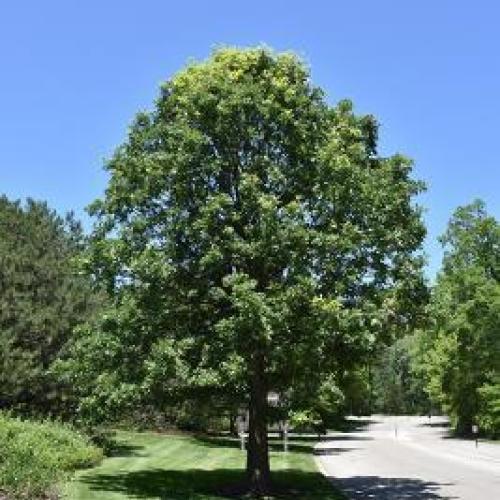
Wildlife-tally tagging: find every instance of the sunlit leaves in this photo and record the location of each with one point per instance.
(246, 217)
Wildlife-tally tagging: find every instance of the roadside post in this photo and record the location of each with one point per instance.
(475, 432)
(241, 432)
(285, 436)
(273, 400)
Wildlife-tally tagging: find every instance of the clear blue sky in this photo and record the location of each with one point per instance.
(73, 73)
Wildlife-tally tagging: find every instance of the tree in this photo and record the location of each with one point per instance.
(460, 352)
(253, 239)
(398, 386)
(489, 411)
(41, 300)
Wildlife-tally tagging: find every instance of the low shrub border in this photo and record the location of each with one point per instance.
(35, 457)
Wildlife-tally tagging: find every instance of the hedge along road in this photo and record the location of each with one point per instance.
(410, 458)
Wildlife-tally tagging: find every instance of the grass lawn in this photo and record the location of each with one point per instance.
(154, 466)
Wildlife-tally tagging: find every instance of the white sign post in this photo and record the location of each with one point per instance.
(241, 432)
(285, 436)
(475, 432)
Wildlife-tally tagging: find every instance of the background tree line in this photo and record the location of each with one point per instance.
(452, 363)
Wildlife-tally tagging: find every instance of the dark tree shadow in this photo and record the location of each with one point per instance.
(198, 484)
(380, 488)
(122, 449)
(346, 437)
(307, 438)
(194, 484)
(213, 441)
(448, 432)
(331, 451)
(114, 446)
(442, 425)
(356, 425)
(301, 445)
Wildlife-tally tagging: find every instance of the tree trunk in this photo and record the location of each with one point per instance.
(258, 471)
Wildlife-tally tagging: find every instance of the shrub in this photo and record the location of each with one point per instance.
(489, 412)
(306, 420)
(37, 456)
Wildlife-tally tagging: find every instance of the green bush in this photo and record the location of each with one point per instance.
(489, 409)
(37, 456)
(306, 420)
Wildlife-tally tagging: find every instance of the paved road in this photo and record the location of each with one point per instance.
(410, 458)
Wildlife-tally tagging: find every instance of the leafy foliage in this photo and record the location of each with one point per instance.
(35, 457)
(489, 409)
(460, 354)
(397, 385)
(41, 300)
(253, 240)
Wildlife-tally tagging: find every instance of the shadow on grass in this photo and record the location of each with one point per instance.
(200, 484)
(304, 445)
(114, 446)
(213, 441)
(197, 484)
(304, 438)
(117, 448)
(380, 488)
(296, 444)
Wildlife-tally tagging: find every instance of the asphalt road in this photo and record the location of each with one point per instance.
(409, 458)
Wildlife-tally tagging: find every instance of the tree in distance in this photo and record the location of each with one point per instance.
(459, 353)
(42, 300)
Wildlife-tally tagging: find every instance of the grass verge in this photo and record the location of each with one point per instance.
(154, 466)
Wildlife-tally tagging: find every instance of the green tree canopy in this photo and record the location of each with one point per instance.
(253, 239)
(460, 352)
(41, 300)
(398, 387)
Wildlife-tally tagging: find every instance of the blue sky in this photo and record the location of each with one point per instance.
(73, 74)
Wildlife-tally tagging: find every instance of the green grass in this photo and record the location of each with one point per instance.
(153, 466)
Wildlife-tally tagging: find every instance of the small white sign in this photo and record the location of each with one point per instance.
(475, 429)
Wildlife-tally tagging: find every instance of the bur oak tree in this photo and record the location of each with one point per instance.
(254, 240)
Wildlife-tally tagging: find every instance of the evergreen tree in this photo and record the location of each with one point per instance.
(42, 299)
